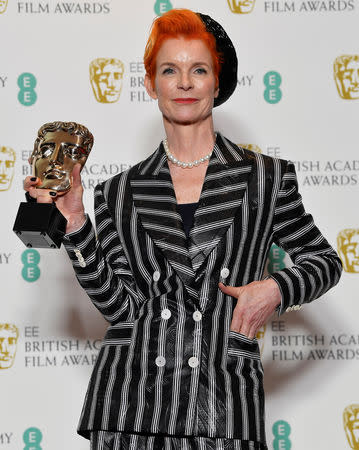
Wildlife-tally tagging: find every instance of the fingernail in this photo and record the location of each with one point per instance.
(53, 194)
(33, 179)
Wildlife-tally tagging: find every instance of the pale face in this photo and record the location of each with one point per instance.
(54, 160)
(185, 84)
(109, 82)
(8, 342)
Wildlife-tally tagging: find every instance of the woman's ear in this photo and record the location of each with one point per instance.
(149, 88)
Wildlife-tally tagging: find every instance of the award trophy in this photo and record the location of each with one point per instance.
(58, 148)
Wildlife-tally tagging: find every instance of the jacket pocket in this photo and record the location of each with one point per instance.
(119, 334)
(241, 346)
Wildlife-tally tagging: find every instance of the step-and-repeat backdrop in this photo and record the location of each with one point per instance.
(297, 98)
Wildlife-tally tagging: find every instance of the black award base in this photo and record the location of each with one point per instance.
(40, 225)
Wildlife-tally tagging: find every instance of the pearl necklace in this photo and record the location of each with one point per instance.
(184, 165)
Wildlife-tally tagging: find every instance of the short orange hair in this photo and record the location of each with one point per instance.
(178, 23)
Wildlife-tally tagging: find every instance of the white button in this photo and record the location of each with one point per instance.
(289, 309)
(82, 264)
(224, 272)
(80, 258)
(77, 252)
(193, 362)
(166, 314)
(160, 361)
(197, 316)
(156, 275)
(296, 307)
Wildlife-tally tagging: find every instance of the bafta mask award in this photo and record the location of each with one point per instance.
(58, 148)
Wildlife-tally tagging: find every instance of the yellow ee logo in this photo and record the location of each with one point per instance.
(3, 6)
(241, 6)
(346, 75)
(106, 76)
(272, 81)
(348, 249)
(32, 438)
(30, 259)
(281, 431)
(7, 167)
(27, 84)
(162, 6)
(351, 425)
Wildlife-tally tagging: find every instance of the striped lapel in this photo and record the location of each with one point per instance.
(222, 194)
(155, 200)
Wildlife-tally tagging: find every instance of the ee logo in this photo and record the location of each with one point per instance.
(272, 80)
(27, 84)
(32, 438)
(30, 259)
(276, 259)
(162, 6)
(281, 432)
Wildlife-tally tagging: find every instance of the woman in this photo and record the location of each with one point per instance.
(180, 365)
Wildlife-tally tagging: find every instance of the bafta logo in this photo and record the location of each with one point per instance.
(260, 337)
(351, 425)
(7, 166)
(3, 6)
(348, 249)
(106, 76)
(346, 74)
(251, 147)
(8, 343)
(241, 6)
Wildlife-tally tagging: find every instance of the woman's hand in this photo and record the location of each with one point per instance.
(256, 302)
(70, 204)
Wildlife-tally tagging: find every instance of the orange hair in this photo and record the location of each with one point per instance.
(173, 24)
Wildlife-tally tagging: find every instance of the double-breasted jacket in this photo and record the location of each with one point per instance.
(169, 364)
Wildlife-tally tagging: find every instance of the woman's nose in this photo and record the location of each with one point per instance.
(185, 82)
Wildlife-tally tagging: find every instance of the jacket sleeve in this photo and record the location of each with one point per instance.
(316, 267)
(100, 264)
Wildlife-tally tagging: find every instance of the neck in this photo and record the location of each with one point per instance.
(190, 142)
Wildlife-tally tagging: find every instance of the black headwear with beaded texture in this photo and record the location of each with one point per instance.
(229, 66)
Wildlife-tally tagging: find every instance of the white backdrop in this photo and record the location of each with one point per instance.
(311, 357)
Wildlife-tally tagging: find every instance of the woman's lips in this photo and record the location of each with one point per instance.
(185, 101)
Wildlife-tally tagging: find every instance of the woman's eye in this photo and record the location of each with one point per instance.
(168, 70)
(200, 70)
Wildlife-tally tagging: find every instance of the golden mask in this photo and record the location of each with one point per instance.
(9, 335)
(58, 148)
(346, 74)
(348, 249)
(241, 6)
(260, 336)
(7, 167)
(251, 147)
(106, 76)
(3, 6)
(351, 425)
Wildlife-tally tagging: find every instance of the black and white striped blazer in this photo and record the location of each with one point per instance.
(169, 364)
